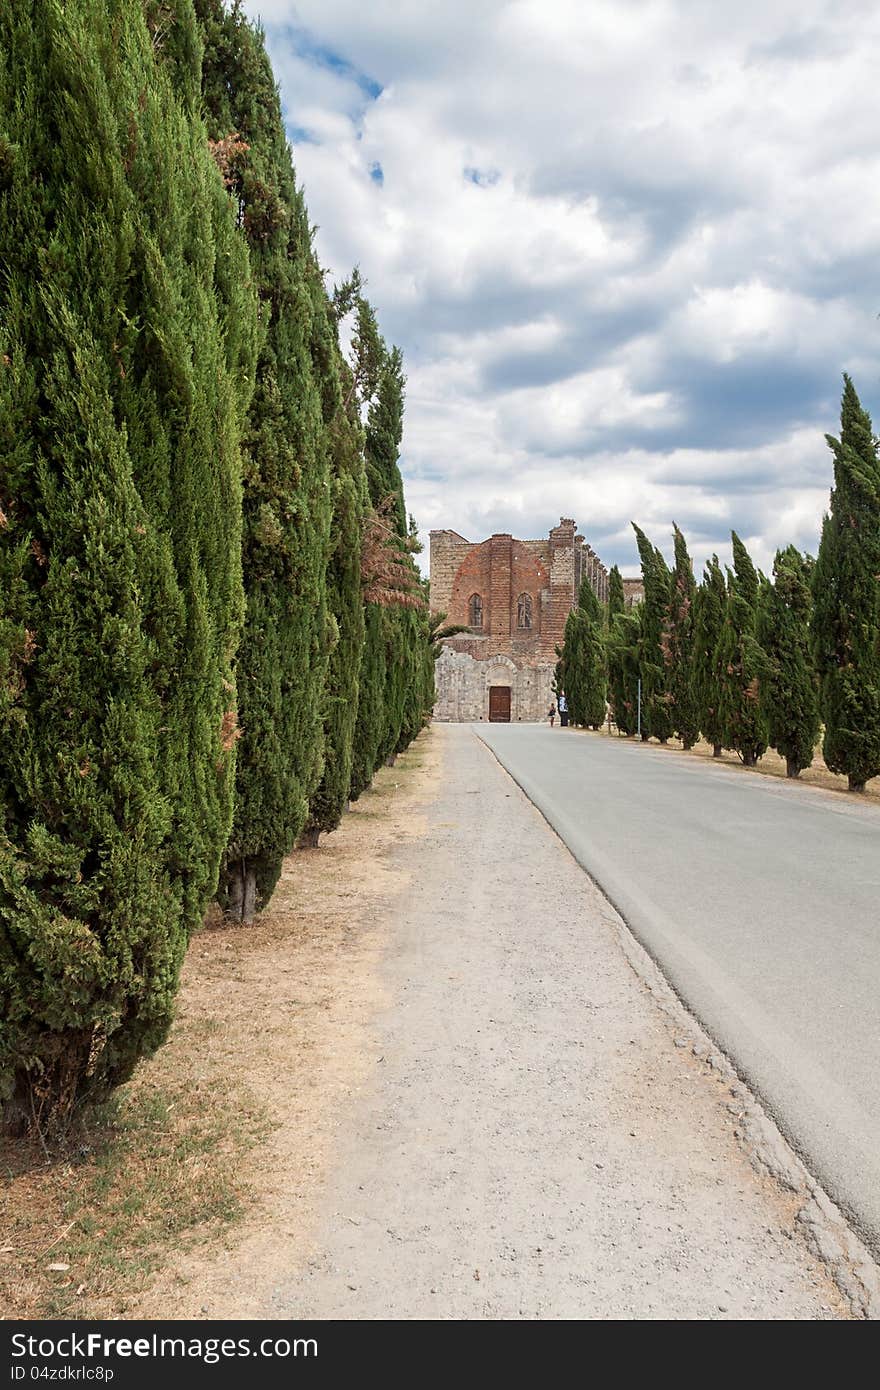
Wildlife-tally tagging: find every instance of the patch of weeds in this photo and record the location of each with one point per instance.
(156, 1168)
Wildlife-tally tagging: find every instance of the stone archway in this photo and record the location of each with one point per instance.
(501, 703)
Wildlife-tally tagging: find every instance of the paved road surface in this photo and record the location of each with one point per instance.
(760, 901)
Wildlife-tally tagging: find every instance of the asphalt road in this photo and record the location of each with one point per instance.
(760, 899)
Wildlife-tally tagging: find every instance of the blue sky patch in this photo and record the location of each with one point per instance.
(483, 178)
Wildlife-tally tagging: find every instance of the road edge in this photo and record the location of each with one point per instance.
(823, 1226)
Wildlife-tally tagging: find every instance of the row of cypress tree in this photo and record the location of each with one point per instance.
(747, 661)
(212, 629)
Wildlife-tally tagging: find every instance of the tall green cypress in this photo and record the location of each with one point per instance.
(370, 724)
(347, 616)
(384, 435)
(679, 646)
(586, 674)
(420, 693)
(569, 668)
(616, 595)
(657, 719)
(710, 609)
(285, 647)
(789, 691)
(741, 663)
(846, 595)
(395, 634)
(622, 659)
(127, 343)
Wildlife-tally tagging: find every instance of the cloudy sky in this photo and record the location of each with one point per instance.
(627, 247)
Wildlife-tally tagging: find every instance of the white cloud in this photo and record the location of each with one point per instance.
(627, 248)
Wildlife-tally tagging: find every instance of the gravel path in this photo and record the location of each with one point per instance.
(532, 1143)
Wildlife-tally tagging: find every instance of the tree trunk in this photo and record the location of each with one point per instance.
(16, 1113)
(391, 760)
(43, 1102)
(249, 900)
(854, 784)
(716, 750)
(645, 738)
(309, 838)
(791, 767)
(235, 877)
(242, 893)
(749, 759)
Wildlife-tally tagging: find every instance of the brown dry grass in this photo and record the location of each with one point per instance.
(771, 765)
(223, 1135)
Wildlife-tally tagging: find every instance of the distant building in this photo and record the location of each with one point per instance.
(514, 597)
(633, 592)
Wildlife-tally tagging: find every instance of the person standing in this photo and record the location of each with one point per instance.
(563, 710)
(551, 714)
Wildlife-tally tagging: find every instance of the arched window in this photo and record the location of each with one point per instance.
(475, 611)
(524, 611)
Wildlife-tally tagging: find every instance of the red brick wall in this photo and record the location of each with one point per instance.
(500, 552)
(473, 576)
(528, 576)
(500, 570)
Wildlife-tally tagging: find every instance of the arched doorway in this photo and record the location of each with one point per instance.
(499, 704)
(501, 690)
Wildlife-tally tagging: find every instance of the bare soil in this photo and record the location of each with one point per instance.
(225, 1133)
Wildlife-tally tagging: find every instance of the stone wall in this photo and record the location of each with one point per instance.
(463, 683)
(633, 592)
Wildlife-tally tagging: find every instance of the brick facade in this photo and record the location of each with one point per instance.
(526, 590)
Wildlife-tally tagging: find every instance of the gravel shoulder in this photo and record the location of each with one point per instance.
(758, 898)
(506, 1127)
(533, 1144)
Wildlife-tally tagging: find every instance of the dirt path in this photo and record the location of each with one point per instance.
(480, 1109)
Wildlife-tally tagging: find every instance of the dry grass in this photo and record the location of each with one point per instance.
(228, 1115)
(162, 1163)
(771, 765)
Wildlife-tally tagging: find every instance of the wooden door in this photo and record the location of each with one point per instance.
(499, 704)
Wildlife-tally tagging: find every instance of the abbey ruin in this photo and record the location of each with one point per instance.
(514, 597)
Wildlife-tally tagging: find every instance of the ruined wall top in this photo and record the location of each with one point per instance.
(513, 591)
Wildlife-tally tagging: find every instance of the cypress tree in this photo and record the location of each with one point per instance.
(789, 689)
(421, 693)
(428, 658)
(384, 435)
(711, 609)
(286, 644)
(622, 660)
(616, 596)
(594, 678)
(570, 667)
(370, 723)
(581, 669)
(846, 597)
(657, 719)
(679, 646)
(127, 343)
(741, 663)
(394, 667)
(347, 616)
